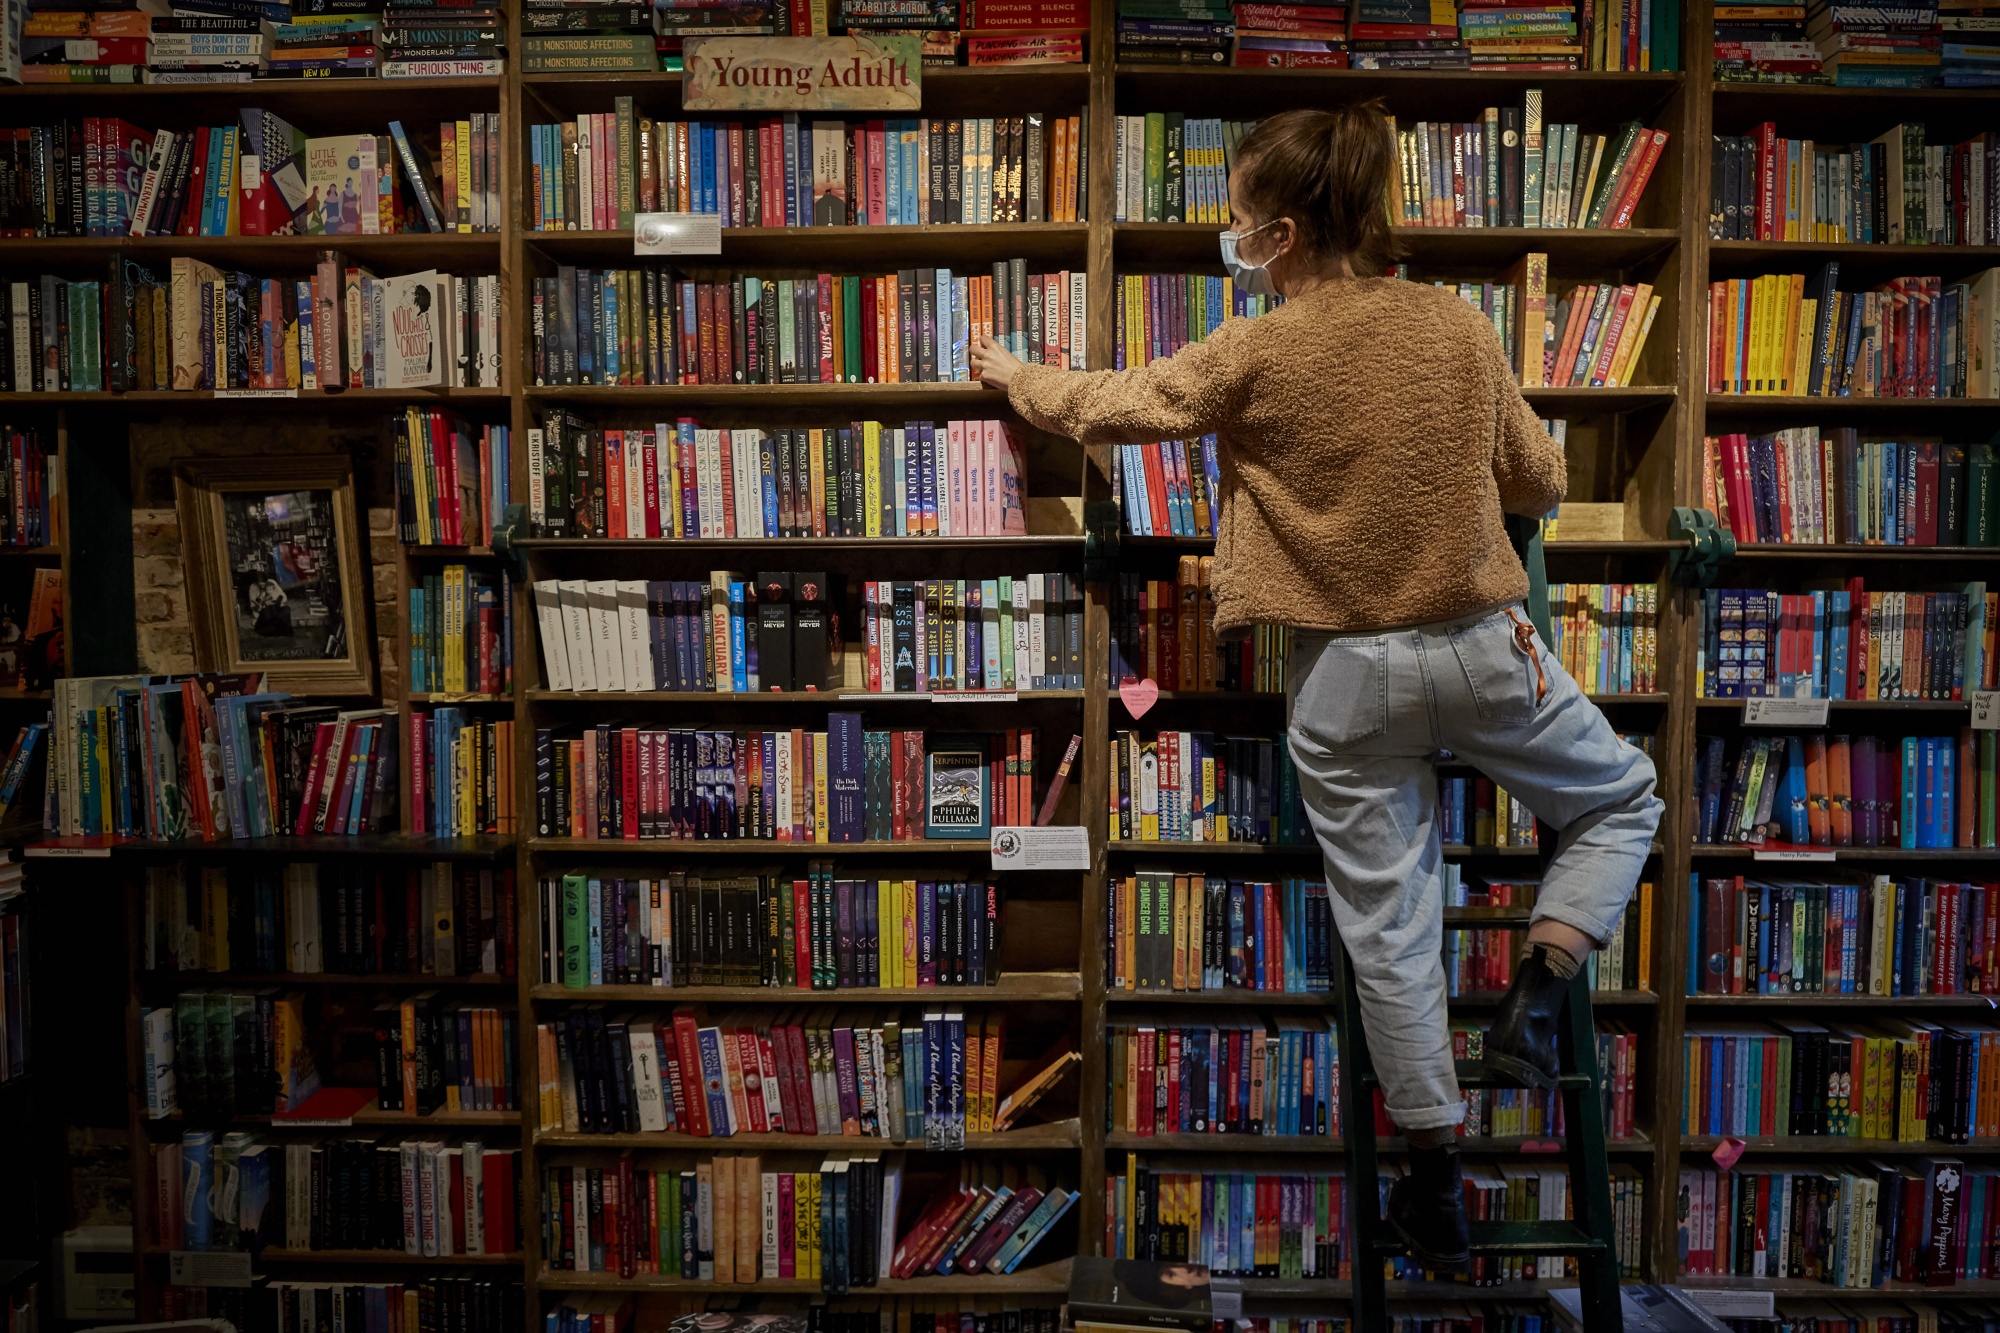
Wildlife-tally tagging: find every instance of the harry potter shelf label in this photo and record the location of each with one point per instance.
(858, 72)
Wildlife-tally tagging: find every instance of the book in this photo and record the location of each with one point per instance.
(1129, 1292)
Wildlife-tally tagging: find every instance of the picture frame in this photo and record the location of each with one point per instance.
(274, 556)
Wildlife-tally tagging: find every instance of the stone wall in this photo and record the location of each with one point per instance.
(166, 642)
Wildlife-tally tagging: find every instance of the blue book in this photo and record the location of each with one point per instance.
(1912, 767)
(739, 663)
(892, 175)
(1839, 607)
(594, 896)
(609, 288)
(1796, 829)
(198, 1175)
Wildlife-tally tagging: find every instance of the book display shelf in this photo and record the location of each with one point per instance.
(1636, 451)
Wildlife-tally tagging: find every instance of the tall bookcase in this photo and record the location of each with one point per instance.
(1639, 447)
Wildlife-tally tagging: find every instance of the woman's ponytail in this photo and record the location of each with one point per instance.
(1330, 172)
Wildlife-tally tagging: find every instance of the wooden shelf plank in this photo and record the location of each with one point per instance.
(1012, 986)
(1120, 1140)
(947, 245)
(847, 698)
(797, 545)
(1818, 1144)
(755, 847)
(1740, 851)
(1045, 1279)
(357, 980)
(1029, 1138)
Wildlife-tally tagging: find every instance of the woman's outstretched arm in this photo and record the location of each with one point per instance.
(1190, 393)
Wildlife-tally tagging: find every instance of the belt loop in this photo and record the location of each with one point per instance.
(1524, 639)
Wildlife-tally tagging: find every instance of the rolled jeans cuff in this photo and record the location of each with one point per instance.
(1427, 1117)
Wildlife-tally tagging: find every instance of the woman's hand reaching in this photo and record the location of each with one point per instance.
(992, 363)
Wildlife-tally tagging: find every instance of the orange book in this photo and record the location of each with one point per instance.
(1580, 299)
(1817, 805)
(989, 1077)
(748, 1216)
(1840, 791)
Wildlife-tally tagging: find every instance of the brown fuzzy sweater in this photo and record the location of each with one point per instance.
(1372, 433)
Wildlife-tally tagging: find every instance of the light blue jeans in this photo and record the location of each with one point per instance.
(1367, 715)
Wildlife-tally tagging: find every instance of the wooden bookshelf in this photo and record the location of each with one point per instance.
(1641, 446)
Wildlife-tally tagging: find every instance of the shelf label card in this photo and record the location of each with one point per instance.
(1784, 712)
(1225, 1298)
(209, 1268)
(256, 393)
(858, 72)
(1986, 710)
(677, 234)
(1792, 855)
(975, 697)
(1028, 847)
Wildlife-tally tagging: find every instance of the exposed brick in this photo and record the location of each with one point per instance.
(382, 520)
(154, 608)
(155, 572)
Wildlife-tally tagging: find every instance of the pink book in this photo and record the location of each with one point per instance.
(954, 452)
(990, 452)
(878, 200)
(975, 479)
(1013, 519)
(870, 598)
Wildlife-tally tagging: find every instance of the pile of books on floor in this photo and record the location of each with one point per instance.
(1175, 32)
(443, 41)
(1405, 34)
(1021, 32)
(1878, 46)
(1766, 44)
(1291, 35)
(1971, 32)
(1521, 35)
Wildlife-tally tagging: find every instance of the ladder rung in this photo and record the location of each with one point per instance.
(1474, 1074)
(1512, 1238)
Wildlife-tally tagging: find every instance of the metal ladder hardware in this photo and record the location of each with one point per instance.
(1588, 1235)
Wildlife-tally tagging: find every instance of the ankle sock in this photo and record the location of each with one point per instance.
(1422, 1139)
(1557, 959)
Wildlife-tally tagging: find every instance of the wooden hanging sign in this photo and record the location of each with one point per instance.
(858, 72)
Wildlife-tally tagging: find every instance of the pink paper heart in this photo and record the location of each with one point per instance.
(1139, 696)
(1728, 1152)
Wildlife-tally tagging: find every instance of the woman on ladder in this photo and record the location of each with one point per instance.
(1373, 439)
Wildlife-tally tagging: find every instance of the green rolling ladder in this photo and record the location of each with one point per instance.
(1589, 1235)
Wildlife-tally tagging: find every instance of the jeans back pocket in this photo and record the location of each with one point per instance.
(1340, 696)
(1502, 676)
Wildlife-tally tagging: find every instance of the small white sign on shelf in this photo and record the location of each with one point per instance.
(1225, 1298)
(677, 234)
(209, 1268)
(975, 697)
(1784, 712)
(1985, 710)
(1790, 854)
(1029, 847)
(256, 393)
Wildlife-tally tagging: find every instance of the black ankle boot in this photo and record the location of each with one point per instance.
(1521, 1044)
(1427, 1208)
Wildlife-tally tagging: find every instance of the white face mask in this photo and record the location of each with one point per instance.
(1250, 279)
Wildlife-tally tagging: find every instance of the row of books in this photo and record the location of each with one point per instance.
(1508, 169)
(596, 172)
(1258, 1075)
(609, 1312)
(1196, 786)
(436, 1303)
(454, 480)
(1533, 1113)
(929, 1078)
(1884, 936)
(1913, 792)
(1606, 635)
(642, 326)
(731, 1222)
(842, 785)
(1478, 812)
(1910, 337)
(1197, 932)
(1896, 189)
(1480, 961)
(422, 1197)
(459, 639)
(1848, 643)
(1594, 337)
(213, 756)
(814, 931)
(1819, 486)
(737, 634)
(445, 919)
(684, 481)
(1858, 1226)
(31, 475)
(1886, 1081)
(1515, 36)
(1171, 488)
(207, 329)
(461, 773)
(1171, 167)
(1157, 314)
(1163, 630)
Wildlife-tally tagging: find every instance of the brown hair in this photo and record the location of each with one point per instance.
(1329, 172)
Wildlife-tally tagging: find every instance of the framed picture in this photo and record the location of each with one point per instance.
(275, 574)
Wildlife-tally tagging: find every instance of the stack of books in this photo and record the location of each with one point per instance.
(1181, 32)
(325, 46)
(1766, 44)
(208, 48)
(1405, 34)
(1513, 35)
(622, 33)
(1878, 46)
(442, 41)
(73, 46)
(1291, 35)
(1023, 32)
(1971, 31)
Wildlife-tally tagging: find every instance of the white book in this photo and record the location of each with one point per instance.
(638, 446)
(647, 1093)
(427, 1200)
(784, 788)
(634, 635)
(580, 1207)
(1121, 207)
(577, 636)
(489, 336)
(666, 445)
(607, 649)
(549, 622)
(158, 1028)
(768, 1186)
(24, 357)
(708, 482)
(1018, 599)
